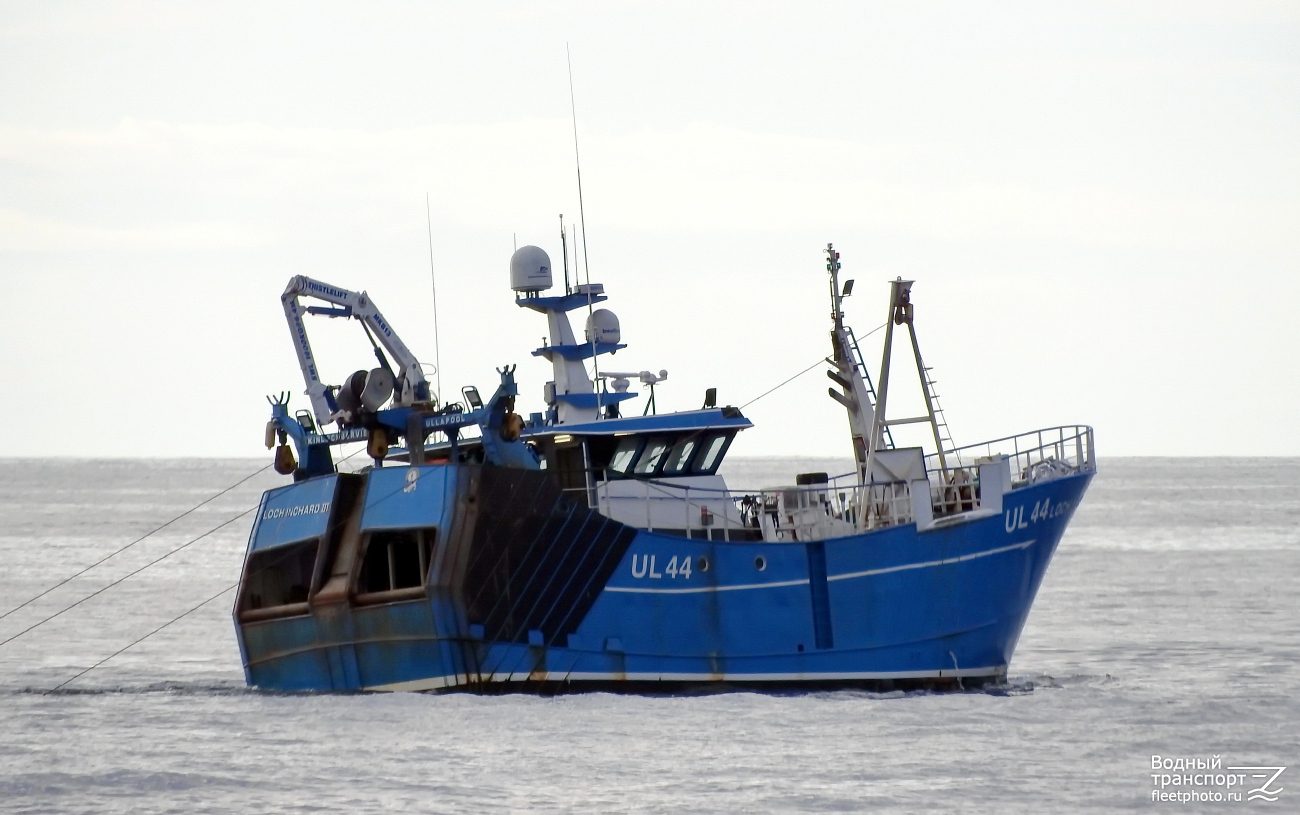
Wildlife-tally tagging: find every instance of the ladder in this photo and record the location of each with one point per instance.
(866, 377)
(940, 423)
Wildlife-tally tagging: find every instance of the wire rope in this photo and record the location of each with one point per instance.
(124, 577)
(181, 616)
(139, 640)
(117, 552)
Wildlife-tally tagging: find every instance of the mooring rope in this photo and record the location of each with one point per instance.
(113, 554)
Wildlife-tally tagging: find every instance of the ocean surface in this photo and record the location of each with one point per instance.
(1168, 624)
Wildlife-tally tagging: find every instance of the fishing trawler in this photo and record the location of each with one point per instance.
(581, 548)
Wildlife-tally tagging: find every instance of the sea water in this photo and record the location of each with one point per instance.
(1168, 625)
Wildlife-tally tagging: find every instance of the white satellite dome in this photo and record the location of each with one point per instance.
(602, 326)
(530, 269)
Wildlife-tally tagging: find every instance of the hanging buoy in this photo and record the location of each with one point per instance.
(270, 434)
(511, 427)
(377, 444)
(285, 463)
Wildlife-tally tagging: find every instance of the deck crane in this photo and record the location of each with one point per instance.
(367, 390)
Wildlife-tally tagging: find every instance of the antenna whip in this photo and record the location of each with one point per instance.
(433, 282)
(582, 217)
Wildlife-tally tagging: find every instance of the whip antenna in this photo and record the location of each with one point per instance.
(582, 215)
(433, 282)
(582, 218)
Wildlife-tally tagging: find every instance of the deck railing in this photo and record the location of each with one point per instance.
(805, 512)
(840, 505)
(1033, 456)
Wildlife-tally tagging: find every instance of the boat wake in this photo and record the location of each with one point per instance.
(1026, 684)
(1012, 686)
(170, 688)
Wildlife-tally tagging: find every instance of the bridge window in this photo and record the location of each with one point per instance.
(679, 458)
(395, 561)
(653, 455)
(694, 453)
(624, 454)
(711, 454)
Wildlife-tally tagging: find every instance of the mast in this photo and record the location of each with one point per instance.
(564, 248)
(854, 394)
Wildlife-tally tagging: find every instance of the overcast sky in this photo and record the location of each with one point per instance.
(1100, 203)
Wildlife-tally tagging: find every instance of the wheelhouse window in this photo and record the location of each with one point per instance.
(679, 458)
(650, 460)
(668, 455)
(711, 451)
(624, 455)
(395, 564)
(278, 580)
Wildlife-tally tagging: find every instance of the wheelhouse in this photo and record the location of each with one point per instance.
(672, 446)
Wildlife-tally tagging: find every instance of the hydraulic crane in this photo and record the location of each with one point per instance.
(364, 389)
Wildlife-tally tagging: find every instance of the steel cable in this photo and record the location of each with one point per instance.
(103, 589)
(184, 614)
(113, 554)
(138, 641)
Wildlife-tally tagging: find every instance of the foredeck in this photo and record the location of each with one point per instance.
(971, 486)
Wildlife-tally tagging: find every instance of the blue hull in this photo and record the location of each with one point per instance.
(591, 604)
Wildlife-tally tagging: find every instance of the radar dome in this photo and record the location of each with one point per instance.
(602, 326)
(530, 269)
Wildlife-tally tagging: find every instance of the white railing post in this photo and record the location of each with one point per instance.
(921, 499)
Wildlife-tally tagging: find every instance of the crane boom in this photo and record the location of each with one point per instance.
(411, 385)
